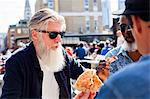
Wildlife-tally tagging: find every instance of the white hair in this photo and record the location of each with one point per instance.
(41, 17)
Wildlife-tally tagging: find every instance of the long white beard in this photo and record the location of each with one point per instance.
(51, 60)
(129, 46)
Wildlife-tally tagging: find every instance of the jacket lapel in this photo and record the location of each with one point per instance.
(61, 80)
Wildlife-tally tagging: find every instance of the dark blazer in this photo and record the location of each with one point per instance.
(23, 76)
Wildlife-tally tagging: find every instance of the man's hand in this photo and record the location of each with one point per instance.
(85, 95)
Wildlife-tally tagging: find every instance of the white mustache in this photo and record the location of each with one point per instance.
(51, 60)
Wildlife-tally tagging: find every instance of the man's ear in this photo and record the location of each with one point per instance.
(34, 35)
(137, 24)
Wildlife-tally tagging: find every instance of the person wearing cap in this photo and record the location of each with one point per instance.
(127, 52)
(43, 69)
(132, 82)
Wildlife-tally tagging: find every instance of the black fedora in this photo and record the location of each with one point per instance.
(134, 7)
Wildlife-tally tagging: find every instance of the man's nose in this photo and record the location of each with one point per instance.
(58, 38)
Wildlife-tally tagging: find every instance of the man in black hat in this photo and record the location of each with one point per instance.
(132, 82)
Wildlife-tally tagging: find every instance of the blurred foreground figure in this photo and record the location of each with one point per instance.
(42, 70)
(133, 81)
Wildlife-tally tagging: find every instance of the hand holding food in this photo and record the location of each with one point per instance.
(85, 95)
(103, 68)
(88, 81)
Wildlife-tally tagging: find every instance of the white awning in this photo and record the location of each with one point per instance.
(70, 40)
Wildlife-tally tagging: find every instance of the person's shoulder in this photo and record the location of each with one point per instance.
(125, 82)
(127, 70)
(131, 71)
(141, 65)
(16, 54)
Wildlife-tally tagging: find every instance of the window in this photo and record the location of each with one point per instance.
(51, 4)
(12, 32)
(25, 30)
(94, 2)
(95, 23)
(87, 24)
(95, 5)
(28, 13)
(95, 26)
(19, 31)
(86, 5)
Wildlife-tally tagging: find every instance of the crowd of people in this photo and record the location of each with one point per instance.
(42, 69)
(86, 49)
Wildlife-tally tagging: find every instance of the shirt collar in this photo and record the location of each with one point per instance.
(121, 50)
(124, 53)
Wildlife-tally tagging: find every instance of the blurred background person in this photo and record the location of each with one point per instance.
(106, 48)
(100, 45)
(92, 48)
(80, 51)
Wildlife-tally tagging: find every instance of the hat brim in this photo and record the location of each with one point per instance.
(130, 12)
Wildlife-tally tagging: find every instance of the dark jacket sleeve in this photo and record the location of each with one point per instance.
(74, 66)
(12, 80)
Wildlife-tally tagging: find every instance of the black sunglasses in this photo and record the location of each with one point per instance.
(53, 34)
(124, 27)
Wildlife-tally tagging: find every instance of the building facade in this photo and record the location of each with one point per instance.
(83, 20)
(121, 4)
(82, 16)
(16, 34)
(19, 33)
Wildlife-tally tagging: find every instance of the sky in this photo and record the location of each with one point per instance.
(11, 11)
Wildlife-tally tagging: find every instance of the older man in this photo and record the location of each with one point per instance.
(43, 69)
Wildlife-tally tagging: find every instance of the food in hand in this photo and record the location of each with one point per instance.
(109, 60)
(88, 81)
(103, 67)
